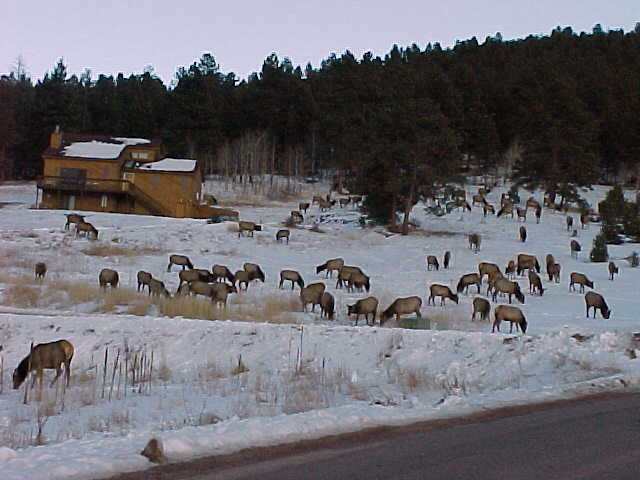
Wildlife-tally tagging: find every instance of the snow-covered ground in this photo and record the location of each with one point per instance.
(301, 376)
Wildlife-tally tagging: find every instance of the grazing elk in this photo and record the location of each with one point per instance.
(221, 273)
(532, 203)
(553, 271)
(344, 202)
(296, 216)
(254, 271)
(41, 270)
(250, 227)
(241, 277)
(402, 306)
(303, 206)
(327, 305)
(217, 292)
(538, 213)
(344, 274)
(330, 265)
(73, 218)
(595, 300)
(525, 261)
(575, 249)
(312, 294)
(522, 232)
(510, 269)
(535, 284)
(482, 307)
(181, 260)
(364, 307)
(143, 279)
(486, 268)
(507, 208)
(358, 281)
(108, 276)
(478, 199)
(432, 262)
(157, 288)
(613, 270)
(581, 279)
(510, 314)
(324, 205)
(446, 260)
(282, 234)
(88, 230)
(293, 277)
(45, 356)
(584, 220)
(441, 291)
(488, 208)
(502, 285)
(522, 214)
(474, 242)
(195, 275)
(549, 260)
(569, 221)
(317, 199)
(466, 281)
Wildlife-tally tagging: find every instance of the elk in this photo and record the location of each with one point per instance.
(143, 279)
(73, 218)
(317, 199)
(292, 276)
(474, 242)
(41, 270)
(358, 281)
(466, 281)
(221, 273)
(482, 307)
(108, 276)
(432, 262)
(486, 268)
(254, 271)
(441, 291)
(181, 260)
(195, 275)
(510, 270)
(581, 279)
(506, 209)
(502, 285)
(157, 288)
(575, 248)
(522, 214)
(248, 227)
(538, 213)
(330, 265)
(364, 307)
(297, 216)
(303, 206)
(402, 306)
(344, 202)
(613, 270)
(88, 230)
(312, 294)
(446, 260)
(584, 220)
(510, 314)
(488, 208)
(595, 300)
(522, 232)
(327, 305)
(553, 271)
(525, 261)
(356, 199)
(535, 284)
(549, 260)
(282, 234)
(344, 274)
(569, 221)
(45, 356)
(478, 199)
(241, 276)
(324, 205)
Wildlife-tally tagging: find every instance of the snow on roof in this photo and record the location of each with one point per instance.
(170, 165)
(97, 149)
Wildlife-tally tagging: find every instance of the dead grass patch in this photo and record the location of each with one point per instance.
(107, 250)
(437, 233)
(268, 309)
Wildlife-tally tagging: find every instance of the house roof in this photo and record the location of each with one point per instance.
(96, 146)
(170, 165)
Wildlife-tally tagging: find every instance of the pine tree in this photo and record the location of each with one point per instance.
(599, 251)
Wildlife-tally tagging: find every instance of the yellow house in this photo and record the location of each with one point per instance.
(120, 175)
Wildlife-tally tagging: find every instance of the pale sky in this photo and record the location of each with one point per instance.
(125, 35)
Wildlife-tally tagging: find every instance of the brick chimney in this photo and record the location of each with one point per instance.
(56, 138)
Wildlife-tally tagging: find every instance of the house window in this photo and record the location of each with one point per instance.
(105, 172)
(140, 155)
(154, 180)
(103, 201)
(73, 176)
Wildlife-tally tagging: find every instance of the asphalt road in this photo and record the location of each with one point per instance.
(597, 438)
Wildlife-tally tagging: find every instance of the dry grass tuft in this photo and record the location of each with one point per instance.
(438, 233)
(273, 308)
(239, 368)
(106, 250)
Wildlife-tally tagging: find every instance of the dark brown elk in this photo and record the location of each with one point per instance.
(41, 270)
(581, 279)
(522, 232)
(549, 260)
(432, 263)
(344, 202)
(327, 305)
(502, 285)
(364, 307)
(478, 199)
(584, 219)
(569, 222)
(532, 203)
(493, 278)
(108, 276)
(510, 270)
(248, 227)
(218, 292)
(359, 282)
(488, 208)
(466, 281)
(575, 248)
(525, 261)
(45, 356)
(143, 279)
(613, 270)
(538, 213)
(329, 266)
(486, 268)
(522, 214)
(242, 277)
(344, 274)
(73, 218)
(291, 276)
(221, 273)
(441, 291)
(535, 284)
(303, 206)
(157, 288)
(474, 242)
(504, 201)
(195, 275)
(510, 314)
(402, 306)
(181, 260)
(254, 271)
(297, 216)
(446, 260)
(482, 307)
(553, 271)
(506, 209)
(595, 300)
(88, 230)
(282, 234)
(312, 294)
